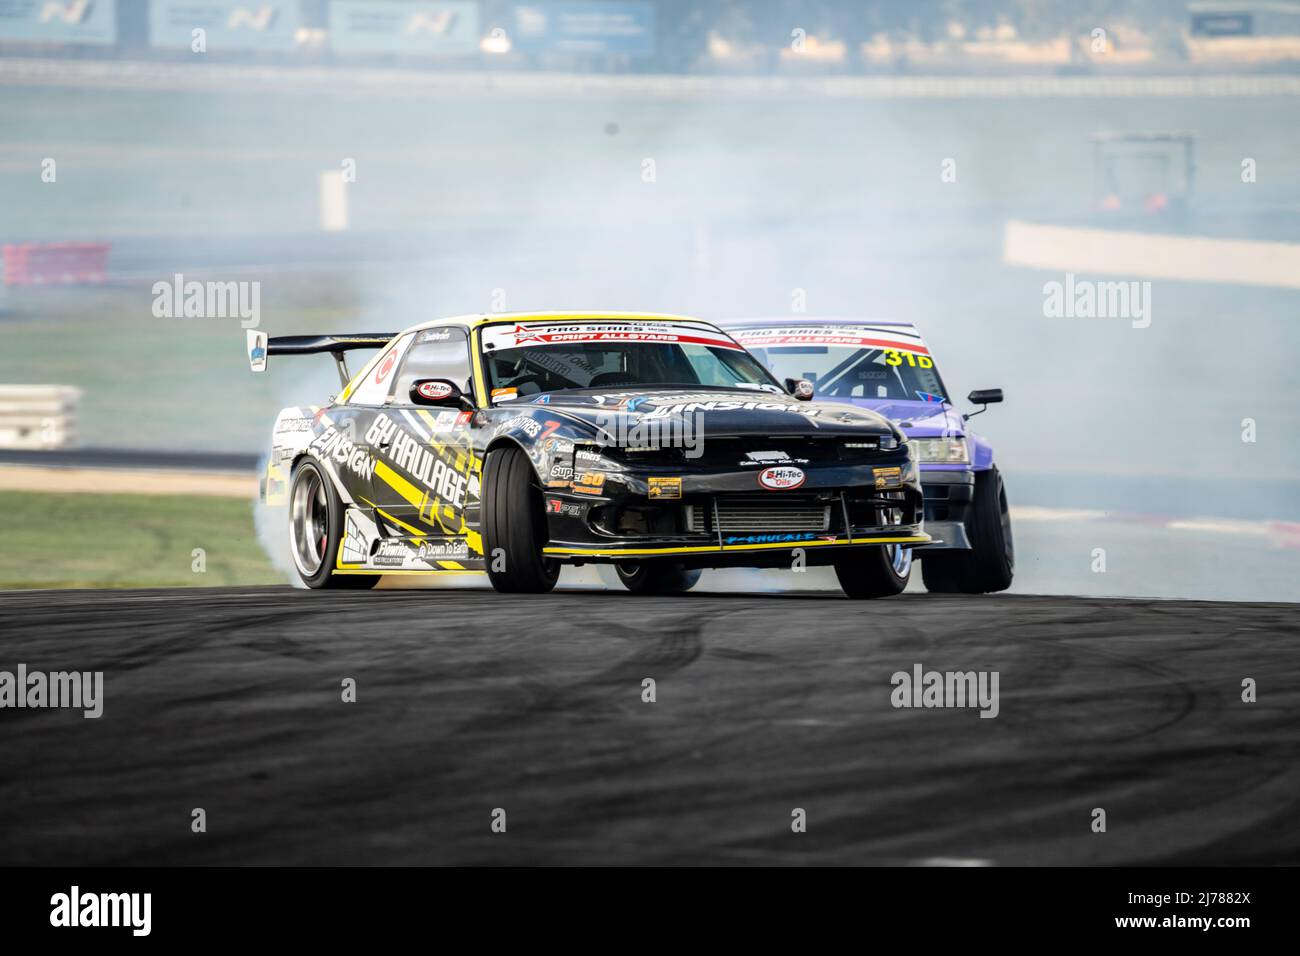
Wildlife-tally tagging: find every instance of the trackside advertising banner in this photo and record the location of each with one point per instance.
(627, 29)
(226, 24)
(59, 21)
(399, 26)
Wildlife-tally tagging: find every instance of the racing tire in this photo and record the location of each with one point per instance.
(316, 529)
(654, 577)
(990, 563)
(881, 571)
(514, 525)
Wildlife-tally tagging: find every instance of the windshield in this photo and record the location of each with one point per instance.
(850, 361)
(524, 359)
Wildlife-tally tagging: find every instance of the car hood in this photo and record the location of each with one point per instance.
(916, 419)
(722, 413)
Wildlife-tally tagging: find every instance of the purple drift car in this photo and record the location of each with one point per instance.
(887, 367)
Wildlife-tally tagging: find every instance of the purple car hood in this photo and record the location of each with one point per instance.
(917, 419)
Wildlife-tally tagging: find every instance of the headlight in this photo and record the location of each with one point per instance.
(943, 451)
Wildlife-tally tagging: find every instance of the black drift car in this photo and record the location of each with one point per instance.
(512, 444)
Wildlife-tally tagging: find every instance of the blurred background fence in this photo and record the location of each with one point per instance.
(675, 36)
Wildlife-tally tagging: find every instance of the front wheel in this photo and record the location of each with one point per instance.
(990, 563)
(316, 530)
(644, 577)
(881, 571)
(514, 525)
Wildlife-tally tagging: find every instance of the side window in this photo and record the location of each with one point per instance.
(376, 382)
(437, 353)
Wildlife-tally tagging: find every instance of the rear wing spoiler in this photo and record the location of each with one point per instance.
(260, 346)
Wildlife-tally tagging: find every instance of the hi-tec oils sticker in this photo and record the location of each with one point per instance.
(665, 487)
(781, 478)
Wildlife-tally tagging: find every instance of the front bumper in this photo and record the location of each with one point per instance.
(726, 519)
(949, 496)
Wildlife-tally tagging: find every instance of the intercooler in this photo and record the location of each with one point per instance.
(758, 516)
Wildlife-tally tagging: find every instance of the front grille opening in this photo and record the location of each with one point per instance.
(884, 508)
(759, 515)
(652, 520)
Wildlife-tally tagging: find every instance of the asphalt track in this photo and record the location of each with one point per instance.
(468, 701)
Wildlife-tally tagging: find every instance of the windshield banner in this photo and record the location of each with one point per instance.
(521, 335)
(833, 336)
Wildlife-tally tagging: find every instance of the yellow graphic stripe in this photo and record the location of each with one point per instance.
(416, 532)
(420, 500)
(714, 549)
(429, 571)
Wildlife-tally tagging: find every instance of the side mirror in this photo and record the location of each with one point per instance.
(438, 392)
(983, 397)
(800, 388)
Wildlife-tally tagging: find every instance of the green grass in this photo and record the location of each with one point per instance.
(118, 541)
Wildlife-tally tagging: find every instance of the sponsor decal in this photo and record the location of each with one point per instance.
(665, 488)
(385, 367)
(561, 473)
(887, 477)
(390, 554)
(525, 424)
(589, 483)
(451, 549)
(333, 445)
(781, 478)
(771, 458)
(566, 333)
(397, 553)
(572, 509)
(435, 391)
(590, 457)
(289, 425)
(839, 336)
(446, 421)
(794, 536)
(410, 454)
(504, 394)
(435, 335)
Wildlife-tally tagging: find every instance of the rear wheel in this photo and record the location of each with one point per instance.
(316, 529)
(514, 525)
(990, 563)
(654, 577)
(882, 571)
